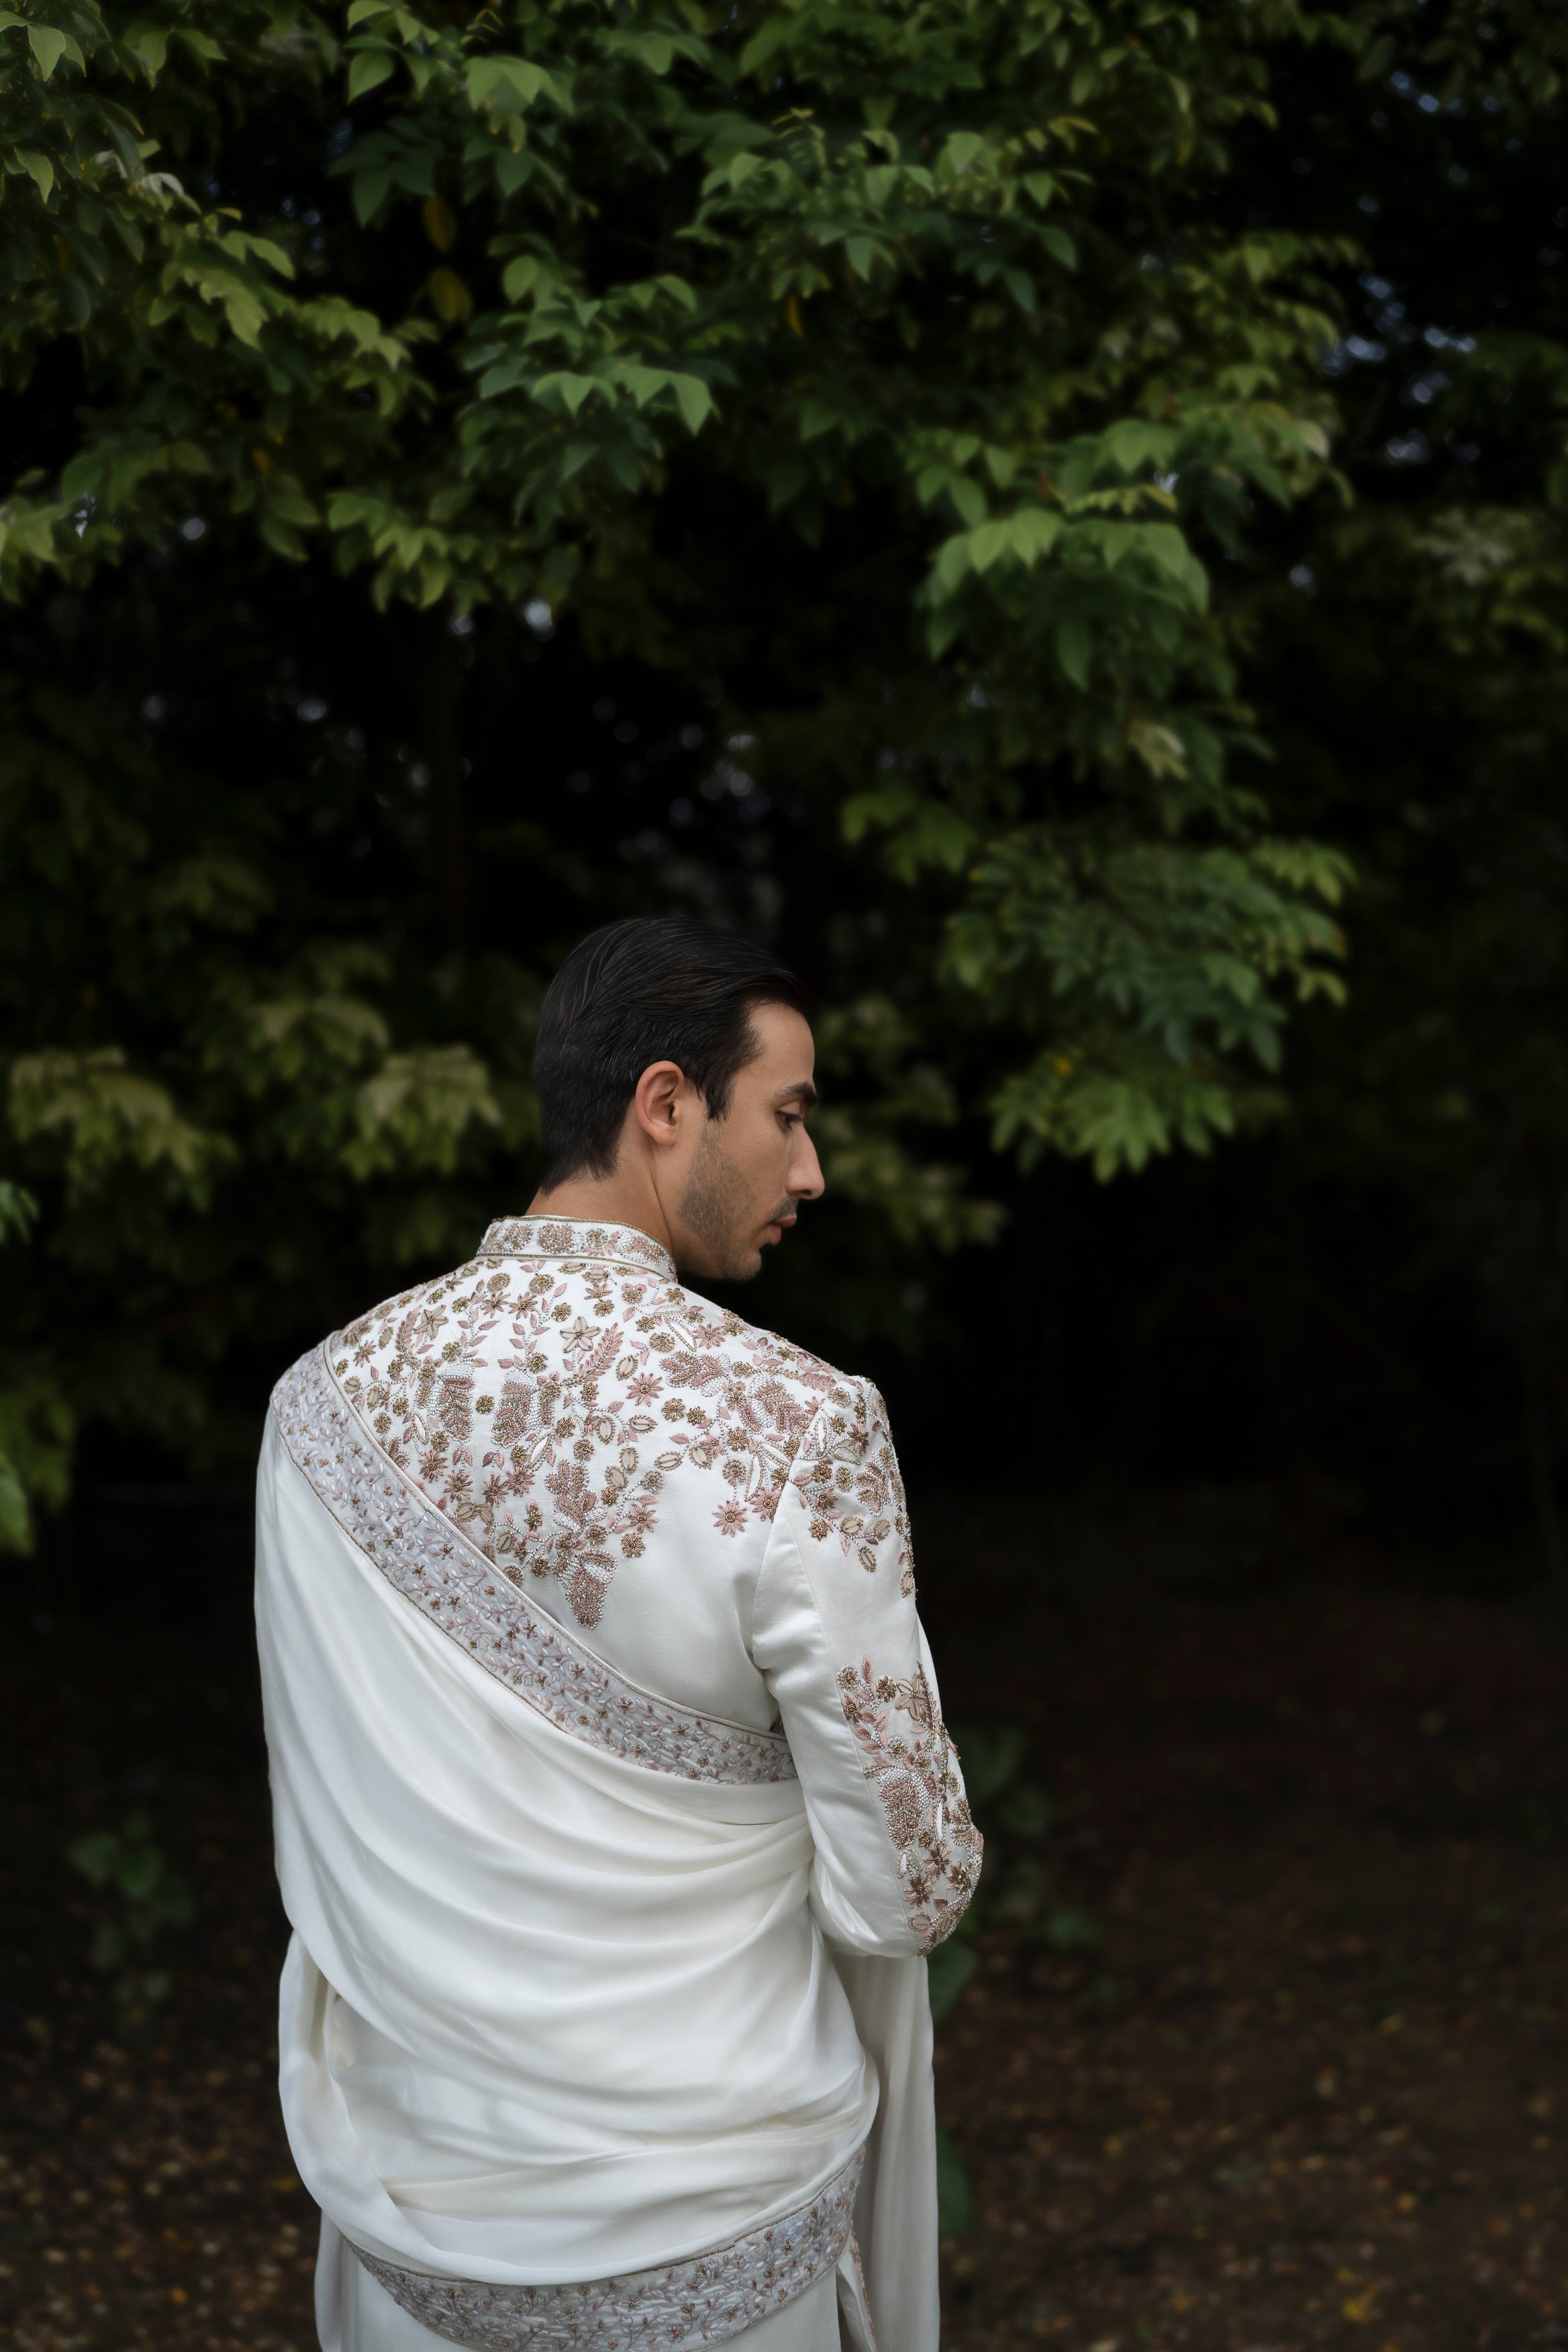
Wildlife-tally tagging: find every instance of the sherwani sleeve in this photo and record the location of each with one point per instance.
(837, 1636)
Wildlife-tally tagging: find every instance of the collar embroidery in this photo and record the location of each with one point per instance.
(575, 1238)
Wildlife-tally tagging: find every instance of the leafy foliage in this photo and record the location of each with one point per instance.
(17, 1211)
(892, 403)
(149, 1900)
(1409, 670)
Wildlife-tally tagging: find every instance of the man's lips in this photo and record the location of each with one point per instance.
(778, 1227)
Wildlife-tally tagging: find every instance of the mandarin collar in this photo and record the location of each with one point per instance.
(577, 1237)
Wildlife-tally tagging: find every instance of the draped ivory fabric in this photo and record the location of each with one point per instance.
(614, 1812)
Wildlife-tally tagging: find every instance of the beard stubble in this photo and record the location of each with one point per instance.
(714, 1211)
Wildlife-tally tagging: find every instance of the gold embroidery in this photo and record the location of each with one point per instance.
(847, 1475)
(917, 1778)
(523, 1401)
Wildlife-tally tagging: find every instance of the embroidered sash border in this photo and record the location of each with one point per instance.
(434, 1566)
(676, 2309)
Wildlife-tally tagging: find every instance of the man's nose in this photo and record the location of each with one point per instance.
(805, 1178)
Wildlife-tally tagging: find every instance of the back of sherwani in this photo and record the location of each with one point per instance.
(614, 1815)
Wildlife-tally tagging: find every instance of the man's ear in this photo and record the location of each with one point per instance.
(659, 1101)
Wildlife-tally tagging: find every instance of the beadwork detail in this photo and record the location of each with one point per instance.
(566, 1237)
(543, 1401)
(434, 1566)
(677, 2309)
(847, 1474)
(916, 1777)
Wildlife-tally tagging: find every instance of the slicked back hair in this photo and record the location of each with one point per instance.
(655, 989)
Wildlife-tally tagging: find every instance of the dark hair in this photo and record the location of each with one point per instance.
(655, 989)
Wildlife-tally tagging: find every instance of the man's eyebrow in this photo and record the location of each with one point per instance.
(803, 1090)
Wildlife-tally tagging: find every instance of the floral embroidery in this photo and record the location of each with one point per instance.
(676, 2309)
(543, 1410)
(569, 1238)
(847, 1475)
(917, 1778)
(437, 1567)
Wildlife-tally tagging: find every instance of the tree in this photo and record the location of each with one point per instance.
(872, 412)
(1409, 670)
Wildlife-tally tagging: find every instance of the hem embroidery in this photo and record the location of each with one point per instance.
(673, 2309)
(434, 1566)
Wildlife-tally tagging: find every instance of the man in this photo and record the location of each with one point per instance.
(614, 1811)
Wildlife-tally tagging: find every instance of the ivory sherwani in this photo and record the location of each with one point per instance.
(613, 1814)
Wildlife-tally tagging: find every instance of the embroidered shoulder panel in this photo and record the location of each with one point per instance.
(906, 1752)
(542, 1403)
(679, 2309)
(847, 1475)
(436, 1566)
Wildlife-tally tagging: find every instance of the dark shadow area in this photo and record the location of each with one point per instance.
(1266, 2039)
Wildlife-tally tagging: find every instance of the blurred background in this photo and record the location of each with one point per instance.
(1056, 518)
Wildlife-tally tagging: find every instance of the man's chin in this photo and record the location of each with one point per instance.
(744, 1263)
(732, 1258)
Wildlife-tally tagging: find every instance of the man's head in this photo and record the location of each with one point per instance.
(674, 1071)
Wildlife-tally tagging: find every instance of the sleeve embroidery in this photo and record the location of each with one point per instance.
(916, 1775)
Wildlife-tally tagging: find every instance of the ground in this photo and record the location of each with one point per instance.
(1299, 2084)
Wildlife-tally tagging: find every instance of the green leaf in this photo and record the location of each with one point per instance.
(962, 148)
(968, 498)
(657, 51)
(368, 191)
(764, 46)
(38, 167)
(369, 68)
(515, 82)
(694, 399)
(16, 1519)
(1376, 59)
(1075, 646)
(18, 1212)
(151, 44)
(1033, 531)
(49, 45)
(572, 391)
(522, 276)
(989, 542)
